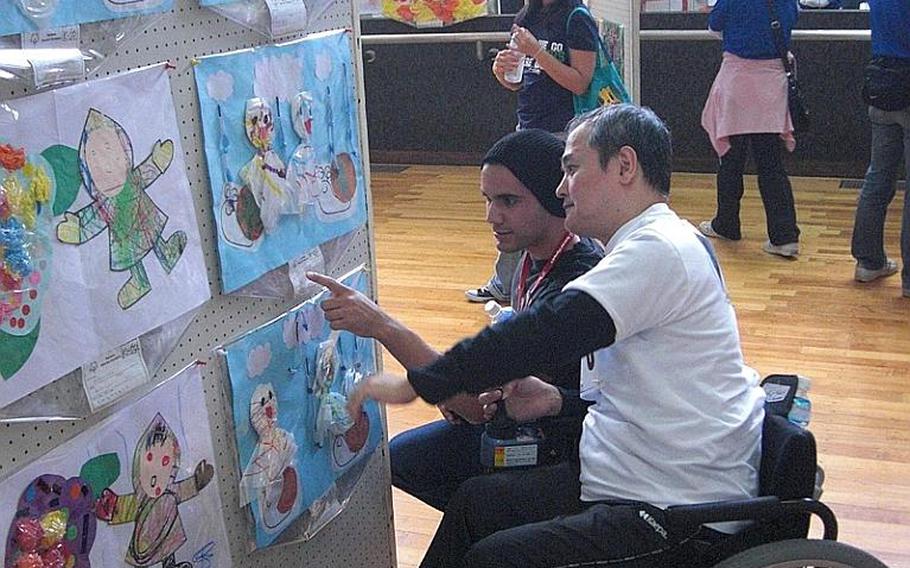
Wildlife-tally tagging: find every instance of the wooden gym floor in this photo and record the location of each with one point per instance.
(806, 316)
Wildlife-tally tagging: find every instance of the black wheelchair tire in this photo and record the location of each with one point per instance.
(800, 553)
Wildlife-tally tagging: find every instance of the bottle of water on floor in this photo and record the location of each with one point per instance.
(801, 411)
(496, 312)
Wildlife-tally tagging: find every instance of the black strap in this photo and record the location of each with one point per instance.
(778, 36)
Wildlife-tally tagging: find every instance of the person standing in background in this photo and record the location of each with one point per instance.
(747, 109)
(890, 23)
(558, 57)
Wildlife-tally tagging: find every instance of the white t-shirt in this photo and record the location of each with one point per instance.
(678, 416)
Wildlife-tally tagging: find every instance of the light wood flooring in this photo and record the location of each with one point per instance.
(807, 316)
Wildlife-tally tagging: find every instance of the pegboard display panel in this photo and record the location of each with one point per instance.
(362, 535)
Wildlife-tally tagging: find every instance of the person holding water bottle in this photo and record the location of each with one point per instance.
(549, 59)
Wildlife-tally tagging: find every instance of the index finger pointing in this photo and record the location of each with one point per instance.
(333, 285)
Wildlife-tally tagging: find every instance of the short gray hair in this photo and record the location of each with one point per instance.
(615, 126)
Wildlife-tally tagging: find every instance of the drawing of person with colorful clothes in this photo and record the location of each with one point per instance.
(153, 506)
(121, 205)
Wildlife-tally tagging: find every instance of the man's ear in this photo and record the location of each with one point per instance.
(628, 164)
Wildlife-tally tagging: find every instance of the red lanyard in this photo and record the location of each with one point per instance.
(524, 296)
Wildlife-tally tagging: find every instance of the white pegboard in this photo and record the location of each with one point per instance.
(362, 535)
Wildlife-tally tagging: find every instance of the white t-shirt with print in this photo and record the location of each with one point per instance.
(678, 416)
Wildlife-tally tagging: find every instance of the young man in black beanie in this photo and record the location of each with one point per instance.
(536, 176)
(519, 177)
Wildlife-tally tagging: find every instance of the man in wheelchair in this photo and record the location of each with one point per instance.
(673, 416)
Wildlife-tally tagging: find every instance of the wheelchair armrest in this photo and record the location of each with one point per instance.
(757, 508)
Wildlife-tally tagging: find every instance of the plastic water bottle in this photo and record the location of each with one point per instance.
(801, 411)
(497, 313)
(515, 75)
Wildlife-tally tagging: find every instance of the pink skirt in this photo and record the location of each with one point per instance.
(749, 96)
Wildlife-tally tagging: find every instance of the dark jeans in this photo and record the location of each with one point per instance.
(890, 147)
(535, 519)
(773, 185)
(431, 461)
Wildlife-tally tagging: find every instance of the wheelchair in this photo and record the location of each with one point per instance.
(780, 515)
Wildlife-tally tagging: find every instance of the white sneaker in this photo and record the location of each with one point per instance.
(868, 275)
(789, 250)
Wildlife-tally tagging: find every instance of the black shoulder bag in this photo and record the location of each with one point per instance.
(799, 113)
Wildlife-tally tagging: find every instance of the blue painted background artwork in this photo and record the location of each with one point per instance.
(283, 152)
(28, 15)
(289, 379)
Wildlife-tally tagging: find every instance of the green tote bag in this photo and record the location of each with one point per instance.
(606, 86)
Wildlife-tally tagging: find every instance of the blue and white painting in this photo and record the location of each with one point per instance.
(289, 383)
(283, 151)
(29, 15)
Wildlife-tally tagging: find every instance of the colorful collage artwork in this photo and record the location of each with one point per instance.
(283, 151)
(138, 489)
(433, 13)
(98, 236)
(29, 15)
(289, 380)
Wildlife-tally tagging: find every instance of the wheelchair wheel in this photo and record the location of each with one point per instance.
(802, 553)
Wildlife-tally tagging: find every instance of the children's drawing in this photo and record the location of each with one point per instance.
(135, 490)
(270, 478)
(350, 433)
(121, 205)
(154, 505)
(337, 176)
(281, 135)
(302, 166)
(433, 13)
(93, 158)
(54, 522)
(265, 174)
(29, 15)
(293, 432)
(306, 325)
(26, 196)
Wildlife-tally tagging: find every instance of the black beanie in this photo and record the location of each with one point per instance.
(533, 156)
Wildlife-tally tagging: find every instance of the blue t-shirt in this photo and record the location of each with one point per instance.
(890, 23)
(746, 25)
(542, 102)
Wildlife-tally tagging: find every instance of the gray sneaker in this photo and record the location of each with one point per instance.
(788, 250)
(868, 275)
